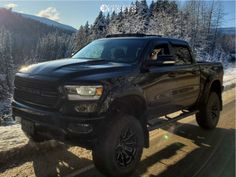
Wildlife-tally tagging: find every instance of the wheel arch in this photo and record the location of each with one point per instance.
(213, 86)
(216, 87)
(134, 105)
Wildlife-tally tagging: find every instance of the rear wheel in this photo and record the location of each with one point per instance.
(120, 147)
(209, 114)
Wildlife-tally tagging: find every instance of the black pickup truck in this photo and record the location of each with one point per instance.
(111, 93)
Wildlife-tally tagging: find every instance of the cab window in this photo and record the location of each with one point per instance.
(182, 55)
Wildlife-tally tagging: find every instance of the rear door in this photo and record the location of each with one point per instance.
(187, 77)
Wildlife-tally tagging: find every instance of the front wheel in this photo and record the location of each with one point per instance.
(36, 138)
(120, 148)
(209, 114)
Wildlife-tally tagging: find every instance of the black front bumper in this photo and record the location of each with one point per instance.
(81, 131)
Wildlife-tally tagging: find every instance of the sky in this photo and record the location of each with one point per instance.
(77, 12)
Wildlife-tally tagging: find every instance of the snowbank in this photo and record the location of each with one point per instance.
(11, 136)
(14, 143)
(229, 77)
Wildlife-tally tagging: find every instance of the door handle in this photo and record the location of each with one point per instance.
(172, 74)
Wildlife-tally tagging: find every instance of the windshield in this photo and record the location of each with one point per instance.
(116, 50)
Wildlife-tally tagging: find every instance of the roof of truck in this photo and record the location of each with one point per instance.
(146, 37)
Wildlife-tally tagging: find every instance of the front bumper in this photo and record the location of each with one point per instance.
(81, 131)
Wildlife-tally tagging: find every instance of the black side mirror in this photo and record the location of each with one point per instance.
(161, 60)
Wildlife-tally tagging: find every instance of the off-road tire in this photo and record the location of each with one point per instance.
(209, 113)
(36, 138)
(120, 147)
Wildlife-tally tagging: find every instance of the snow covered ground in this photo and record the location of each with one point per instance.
(229, 77)
(11, 136)
(4, 106)
(14, 144)
(13, 141)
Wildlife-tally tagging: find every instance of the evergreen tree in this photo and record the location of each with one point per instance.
(7, 68)
(81, 38)
(141, 17)
(52, 46)
(99, 28)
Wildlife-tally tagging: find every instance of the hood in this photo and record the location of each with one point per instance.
(75, 68)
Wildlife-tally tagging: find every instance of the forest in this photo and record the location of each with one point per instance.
(25, 41)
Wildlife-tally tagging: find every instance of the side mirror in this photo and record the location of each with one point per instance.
(72, 54)
(162, 60)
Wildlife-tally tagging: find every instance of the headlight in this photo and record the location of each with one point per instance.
(25, 69)
(75, 92)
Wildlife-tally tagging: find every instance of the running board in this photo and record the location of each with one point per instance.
(161, 122)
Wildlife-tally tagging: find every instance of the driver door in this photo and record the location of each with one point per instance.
(160, 83)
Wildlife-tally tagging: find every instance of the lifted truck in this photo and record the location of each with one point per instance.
(111, 93)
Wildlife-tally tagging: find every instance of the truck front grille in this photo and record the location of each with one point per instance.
(36, 92)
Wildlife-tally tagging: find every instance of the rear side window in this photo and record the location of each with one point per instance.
(182, 55)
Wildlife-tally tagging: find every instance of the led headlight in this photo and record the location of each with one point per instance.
(25, 69)
(76, 92)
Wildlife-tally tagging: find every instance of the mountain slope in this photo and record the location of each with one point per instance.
(228, 30)
(48, 22)
(26, 34)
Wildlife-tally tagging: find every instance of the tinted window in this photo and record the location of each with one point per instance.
(182, 55)
(117, 50)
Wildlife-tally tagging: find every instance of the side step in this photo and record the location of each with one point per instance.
(161, 122)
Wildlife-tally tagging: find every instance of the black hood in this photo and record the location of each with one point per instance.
(75, 68)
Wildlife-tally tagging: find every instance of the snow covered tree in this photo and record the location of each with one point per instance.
(99, 28)
(140, 16)
(119, 22)
(52, 46)
(115, 23)
(80, 38)
(164, 18)
(203, 21)
(7, 68)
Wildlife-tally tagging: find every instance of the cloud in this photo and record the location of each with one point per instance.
(11, 5)
(19, 11)
(50, 13)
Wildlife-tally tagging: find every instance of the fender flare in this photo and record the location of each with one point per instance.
(207, 89)
(131, 93)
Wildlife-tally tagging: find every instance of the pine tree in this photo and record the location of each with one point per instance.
(7, 67)
(163, 18)
(81, 38)
(142, 16)
(116, 24)
(99, 28)
(52, 46)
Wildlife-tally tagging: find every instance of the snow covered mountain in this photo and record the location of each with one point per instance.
(48, 22)
(228, 31)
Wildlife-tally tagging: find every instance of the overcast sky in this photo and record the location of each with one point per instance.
(77, 12)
